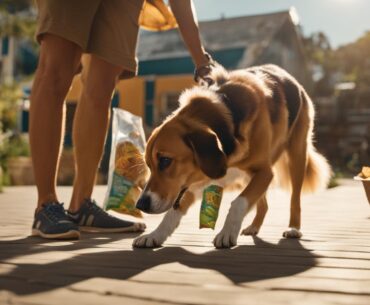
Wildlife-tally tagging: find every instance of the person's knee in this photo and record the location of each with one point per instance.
(55, 76)
(58, 63)
(98, 94)
(98, 87)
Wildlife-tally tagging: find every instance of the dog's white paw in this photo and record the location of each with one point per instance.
(139, 227)
(292, 233)
(251, 230)
(151, 240)
(227, 238)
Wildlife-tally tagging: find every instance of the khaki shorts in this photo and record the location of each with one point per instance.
(106, 28)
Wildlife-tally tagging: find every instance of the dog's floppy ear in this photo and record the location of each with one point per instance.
(208, 155)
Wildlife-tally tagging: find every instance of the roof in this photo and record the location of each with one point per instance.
(230, 33)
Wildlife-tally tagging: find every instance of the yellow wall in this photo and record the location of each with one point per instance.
(132, 95)
(172, 83)
(132, 91)
(168, 84)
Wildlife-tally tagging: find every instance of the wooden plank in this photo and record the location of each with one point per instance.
(329, 265)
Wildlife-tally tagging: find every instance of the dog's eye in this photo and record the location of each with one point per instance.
(164, 162)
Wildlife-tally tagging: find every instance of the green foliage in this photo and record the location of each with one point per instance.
(15, 146)
(15, 5)
(17, 26)
(354, 61)
(319, 53)
(9, 97)
(317, 47)
(334, 179)
(12, 23)
(11, 144)
(350, 62)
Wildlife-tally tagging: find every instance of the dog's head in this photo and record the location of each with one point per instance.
(178, 156)
(193, 145)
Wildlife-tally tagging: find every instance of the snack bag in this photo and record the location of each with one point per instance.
(127, 169)
(365, 172)
(212, 196)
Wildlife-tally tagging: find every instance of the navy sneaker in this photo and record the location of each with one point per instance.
(52, 222)
(93, 219)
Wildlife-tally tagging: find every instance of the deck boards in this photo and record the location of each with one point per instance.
(329, 265)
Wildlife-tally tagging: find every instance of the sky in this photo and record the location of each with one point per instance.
(342, 20)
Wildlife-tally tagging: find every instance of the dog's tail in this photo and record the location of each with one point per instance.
(317, 172)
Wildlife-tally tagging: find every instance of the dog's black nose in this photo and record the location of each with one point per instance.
(143, 203)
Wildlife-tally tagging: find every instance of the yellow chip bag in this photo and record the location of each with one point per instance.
(365, 172)
(127, 168)
(212, 196)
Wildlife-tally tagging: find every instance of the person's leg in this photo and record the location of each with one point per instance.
(90, 125)
(58, 61)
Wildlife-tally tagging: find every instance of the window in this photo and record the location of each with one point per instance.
(169, 103)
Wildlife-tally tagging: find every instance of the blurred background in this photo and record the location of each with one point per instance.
(325, 44)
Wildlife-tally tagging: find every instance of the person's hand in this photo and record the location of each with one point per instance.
(202, 73)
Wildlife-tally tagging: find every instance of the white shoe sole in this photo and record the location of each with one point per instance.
(73, 234)
(136, 227)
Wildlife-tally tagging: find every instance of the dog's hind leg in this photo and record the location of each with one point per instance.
(297, 154)
(254, 228)
(167, 226)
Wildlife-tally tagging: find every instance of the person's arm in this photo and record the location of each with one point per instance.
(187, 21)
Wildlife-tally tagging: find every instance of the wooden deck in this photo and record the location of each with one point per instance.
(329, 265)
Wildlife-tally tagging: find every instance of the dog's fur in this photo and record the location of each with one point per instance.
(249, 125)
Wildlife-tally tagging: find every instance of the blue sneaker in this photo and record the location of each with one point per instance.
(93, 219)
(52, 222)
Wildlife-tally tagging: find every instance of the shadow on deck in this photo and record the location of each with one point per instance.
(241, 264)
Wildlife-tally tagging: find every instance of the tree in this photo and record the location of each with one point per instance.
(354, 61)
(14, 20)
(320, 55)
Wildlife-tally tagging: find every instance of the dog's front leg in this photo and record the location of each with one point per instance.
(240, 206)
(167, 226)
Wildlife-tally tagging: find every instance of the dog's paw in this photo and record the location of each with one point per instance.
(151, 240)
(227, 238)
(292, 233)
(139, 227)
(251, 230)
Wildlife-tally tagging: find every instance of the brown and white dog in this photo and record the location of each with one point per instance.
(250, 124)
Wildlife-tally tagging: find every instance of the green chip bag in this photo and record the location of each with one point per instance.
(123, 196)
(212, 196)
(127, 168)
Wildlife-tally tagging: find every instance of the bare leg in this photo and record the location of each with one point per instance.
(90, 125)
(58, 61)
(262, 208)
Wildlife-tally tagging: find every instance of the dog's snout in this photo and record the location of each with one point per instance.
(143, 203)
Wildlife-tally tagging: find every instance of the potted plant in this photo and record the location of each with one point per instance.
(18, 162)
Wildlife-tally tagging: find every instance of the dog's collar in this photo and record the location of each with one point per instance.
(224, 98)
(176, 205)
(227, 102)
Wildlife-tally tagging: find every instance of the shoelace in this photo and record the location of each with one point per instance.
(55, 211)
(94, 206)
